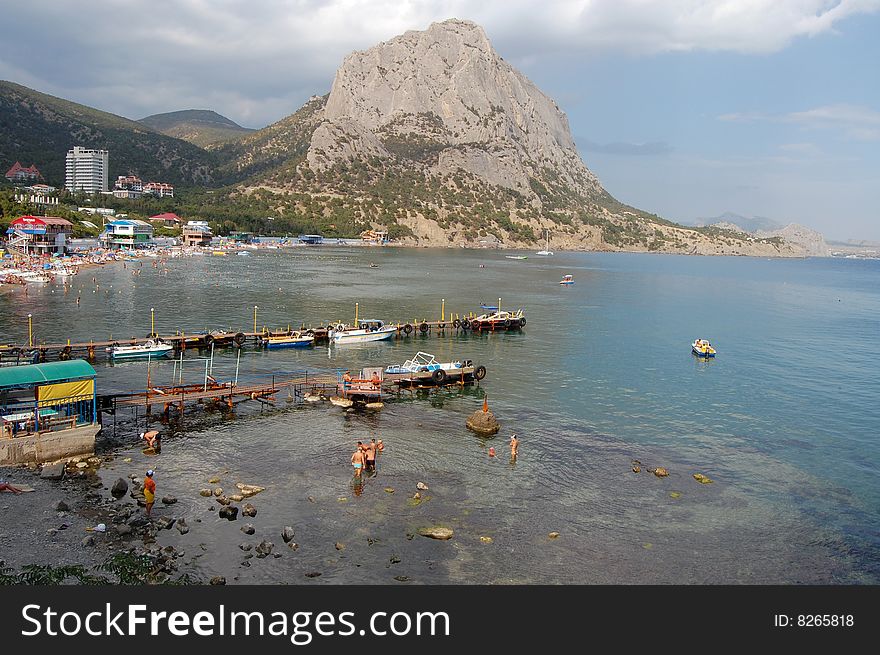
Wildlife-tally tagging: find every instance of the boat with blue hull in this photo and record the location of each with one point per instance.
(293, 340)
(154, 348)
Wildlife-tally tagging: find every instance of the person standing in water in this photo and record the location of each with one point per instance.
(149, 491)
(514, 446)
(370, 453)
(357, 460)
(153, 440)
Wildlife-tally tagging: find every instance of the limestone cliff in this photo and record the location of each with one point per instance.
(433, 136)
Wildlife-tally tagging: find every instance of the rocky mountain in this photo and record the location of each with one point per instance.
(435, 137)
(201, 127)
(742, 223)
(36, 127)
(812, 242)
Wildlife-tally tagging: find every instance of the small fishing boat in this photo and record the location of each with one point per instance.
(153, 348)
(702, 348)
(517, 256)
(219, 253)
(567, 279)
(497, 320)
(243, 253)
(292, 340)
(364, 330)
(489, 308)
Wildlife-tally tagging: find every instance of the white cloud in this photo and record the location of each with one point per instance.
(262, 59)
(856, 122)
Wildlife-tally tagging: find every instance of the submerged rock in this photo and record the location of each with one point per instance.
(205, 492)
(487, 540)
(218, 580)
(218, 491)
(236, 498)
(389, 490)
(702, 479)
(249, 510)
(264, 548)
(340, 545)
(245, 546)
(661, 472)
(247, 528)
(168, 500)
(553, 535)
(182, 527)
(248, 490)
(421, 486)
(340, 402)
(293, 545)
(214, 480)
(62, 507)
(637, 469)
(287, 534)
(437, 532)
(228, 512)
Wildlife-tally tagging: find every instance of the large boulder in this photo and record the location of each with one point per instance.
(483, 422)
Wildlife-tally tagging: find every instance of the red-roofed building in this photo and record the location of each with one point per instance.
(160, 189)
(19, 173)
(167, 219)
(39, 235)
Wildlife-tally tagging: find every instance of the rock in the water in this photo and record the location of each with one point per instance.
(248, 510)
(437, 532)
(82, 465)
(245, 546)
(483, 422)
(389, 490)
(248, 490)
(218, 580)
(164, 523)
(182, 527)
(340, 545)
(53, 471)
(702, 479)
(341, 402)
(236, 497)
(675, 494)
(62, 507)
(264, 548)
(395, 559)
(228, 512)
(214, 480)
(293, 545)
(313, 574)
(287, 534)
(637, 469)
(247, 528)
(223, 500)
(127, 460)
(661, 472)
(421, 486)
(377, 405)
(168, 500)
(218, 491)
(486, 540)
(401, 578)
(553, 535)
(119, 488)
(205, 492)
(88, 541)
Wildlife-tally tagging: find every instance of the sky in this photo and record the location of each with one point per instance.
(686, 108)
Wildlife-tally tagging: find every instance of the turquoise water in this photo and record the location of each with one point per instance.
(784, 420)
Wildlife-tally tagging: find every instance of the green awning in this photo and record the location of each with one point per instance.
(37, 374)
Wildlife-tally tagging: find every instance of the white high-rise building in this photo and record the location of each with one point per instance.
(87, 169)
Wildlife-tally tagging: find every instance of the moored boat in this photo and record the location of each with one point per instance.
(702, 348)
(365, 330)
(424, 367)
(292, 340)
(153, 348)
(567, 279)
(498, 320)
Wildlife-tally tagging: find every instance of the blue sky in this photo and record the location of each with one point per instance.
(687, 109)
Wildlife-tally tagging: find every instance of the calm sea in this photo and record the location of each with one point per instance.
(785, 420)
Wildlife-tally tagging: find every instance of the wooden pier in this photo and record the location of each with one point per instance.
(94, 348)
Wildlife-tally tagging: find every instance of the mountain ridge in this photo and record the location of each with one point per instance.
(202, 127)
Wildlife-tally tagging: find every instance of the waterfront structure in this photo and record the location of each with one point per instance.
(38, 235)
(379, 237)
(167, 219)
(87, 170)
(159, 189)
(18, 173)
(47, 412)
(311, 239)
(197, 233)
(127, 233)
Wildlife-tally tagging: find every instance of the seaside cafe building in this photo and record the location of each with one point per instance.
(41, 235)
(47, 412)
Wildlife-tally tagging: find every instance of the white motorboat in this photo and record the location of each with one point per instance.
(153, 348)
(363, 331)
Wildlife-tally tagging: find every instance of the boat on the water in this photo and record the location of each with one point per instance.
(498, 320)
(424, 367)
(364, 330)
(153, 348)
(292, 340)
(517, 256)
(567, 279)
(702, 348)
(546, 252)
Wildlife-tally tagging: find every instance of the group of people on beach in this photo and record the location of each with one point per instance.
(365, 456)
